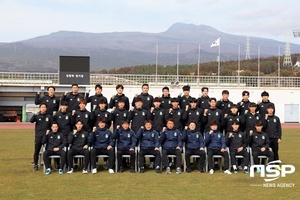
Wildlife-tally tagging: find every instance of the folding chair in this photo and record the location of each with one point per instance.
(125, 156)
(145, 156)
(52, 157)
(259, 157)
(192, 156)
(219, 157)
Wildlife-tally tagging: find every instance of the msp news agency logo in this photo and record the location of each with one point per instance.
(273, 171)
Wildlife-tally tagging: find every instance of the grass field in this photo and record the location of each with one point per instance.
(19, 181)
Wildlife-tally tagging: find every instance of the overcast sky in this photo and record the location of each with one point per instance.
(21, 19)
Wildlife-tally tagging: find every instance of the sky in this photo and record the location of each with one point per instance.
(21, 19)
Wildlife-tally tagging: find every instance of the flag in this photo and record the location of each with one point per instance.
(216, 43)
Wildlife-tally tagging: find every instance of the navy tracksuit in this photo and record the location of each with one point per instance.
(258, 141)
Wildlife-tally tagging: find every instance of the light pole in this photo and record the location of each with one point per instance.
(296, 33)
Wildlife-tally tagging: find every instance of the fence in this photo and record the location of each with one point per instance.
(16, 78)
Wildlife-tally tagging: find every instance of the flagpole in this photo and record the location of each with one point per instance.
(258, 66)
(239, 66)
(279, 66)
(198, 71)
(219, 62)
(156, 64)
(177, 62)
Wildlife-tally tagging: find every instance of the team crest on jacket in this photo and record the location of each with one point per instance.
(240, 135)
(263, 137)
(67, 117)
(148, 98)
(54, 101)
(82, 135)
(128, 135)
(152, 135)
(219, 136)
(197, 113)
(217, 114)
(58, 137)
(124, 115)
(47, 119)
(274, 120)
(105, 115)
(160, 113)
(143, 113)
(257, 118)
(178, 113)
(197, 136)
(175, 134)
(78, 99)
(86, 116)
(106, 135)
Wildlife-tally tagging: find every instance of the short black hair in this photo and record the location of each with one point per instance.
(102, 101)
(120, 86)
(225, 92)
(43, 104)
(165, 88)
(98, 86)
(186, 88)
(50, 87)
(204, 88)
(258, 123)
(145, 84)
(245, 92)
(74, 84)
(212, 98)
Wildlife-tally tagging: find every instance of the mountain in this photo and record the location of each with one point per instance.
(122, 49)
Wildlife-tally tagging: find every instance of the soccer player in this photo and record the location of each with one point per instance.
(78, 141)
(42, 125)
(165, 98)
(236, 142)
(103, 144)
(264, 103)
(149, 145)
(215, 143)
(243, 105)
(171, 143)
(194, 145)
(84, 115)
(259, 142)
(138, 115)
(185, 99)
(95, 99)
(119, 114)
(157, 115)
(72, 98)
(212, 114)
(273, 130)
(49, 99)
(101, 113)
(116, 98)
(177, 114)
(55, 143)
(64, 119)
(145, 96)
(126, 143)
(194, 114)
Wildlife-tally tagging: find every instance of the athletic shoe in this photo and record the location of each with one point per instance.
(35, 167)
(48, 171)
(211, 171)
(111, 171)
(227, 171)
(168, 170)
(188, 170)
(142, 169)
(70, 171)
(151, 166)
(258, 170)
(32, 163)
(94, 171)
(235, 171)
(245, 170)
(84, 171)
(201, 171)
(178, 170)
(60, 172)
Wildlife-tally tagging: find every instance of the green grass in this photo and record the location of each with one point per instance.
(18, 181)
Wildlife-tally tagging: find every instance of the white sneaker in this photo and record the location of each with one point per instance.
(84, 171)
(111, 171)
(70, 171)
(211, 171)
(227, 172)
(94, 171)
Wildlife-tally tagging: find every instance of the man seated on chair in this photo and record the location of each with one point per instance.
(78, 141)
(125, 145)
(103, 144)
(55, 143)
(171, 143)
(236, 142)
(215, 143)
(194, 145)
(149, 145)
(259, 142)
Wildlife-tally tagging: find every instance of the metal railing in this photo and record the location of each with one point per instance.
(17, 78)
